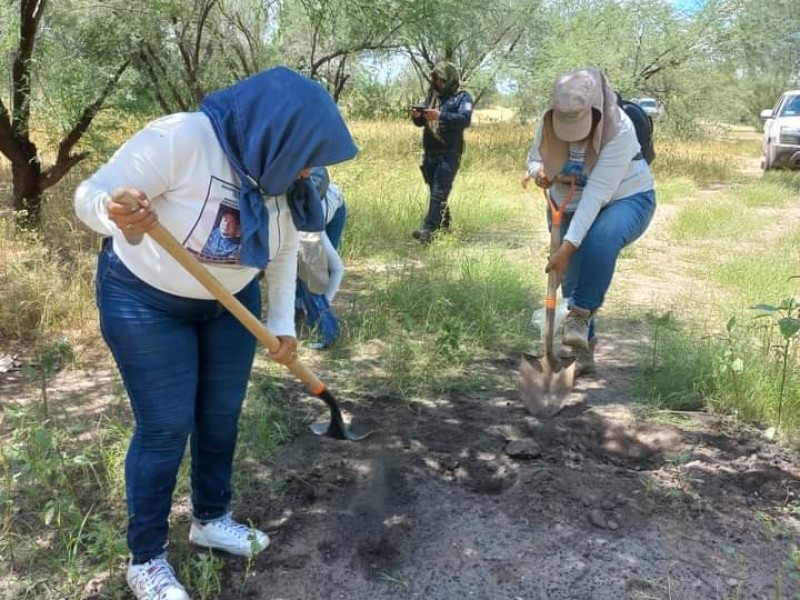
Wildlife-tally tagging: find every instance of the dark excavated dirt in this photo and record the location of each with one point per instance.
(602, 503)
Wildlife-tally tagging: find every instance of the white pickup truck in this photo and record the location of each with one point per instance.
(782, 133)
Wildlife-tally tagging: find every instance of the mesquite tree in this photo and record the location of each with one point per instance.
(61, 70)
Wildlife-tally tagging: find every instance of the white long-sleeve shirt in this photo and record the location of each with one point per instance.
(335, 267)
(615, 175)
(325, 266)
(334, 199)
(178, 163)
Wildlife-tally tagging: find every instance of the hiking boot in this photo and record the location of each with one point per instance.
(584, 359)
(576, 329)
(155, 580)
(423, 235)
(228, 535)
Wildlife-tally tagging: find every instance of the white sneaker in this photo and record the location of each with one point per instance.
(155, 580)
(228, 535)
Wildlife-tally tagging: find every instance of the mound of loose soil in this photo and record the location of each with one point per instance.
(470, 497)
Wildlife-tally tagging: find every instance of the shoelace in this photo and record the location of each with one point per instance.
(232, 526)
(575, 317)
(157, 577)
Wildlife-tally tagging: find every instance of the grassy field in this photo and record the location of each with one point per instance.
(414, 318)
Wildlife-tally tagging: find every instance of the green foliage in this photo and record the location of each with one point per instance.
(786, 318)
(371, 98)
(764, 38)
(659, 324)
(684, 376)
(646, 49)
(77, 51)
(723, 60)
(751, 371)
(51, 356)
(756, 275)
(266, 421)
(203, 575)
(65, 492)
(760, 92)
(765, 194)
(703, 220)
(480, 37)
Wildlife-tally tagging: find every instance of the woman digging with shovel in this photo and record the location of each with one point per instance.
(586, 142)
(184, 358)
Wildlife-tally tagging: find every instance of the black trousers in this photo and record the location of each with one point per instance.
(439, 171)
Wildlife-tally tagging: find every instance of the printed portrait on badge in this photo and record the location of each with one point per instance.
(217, 235)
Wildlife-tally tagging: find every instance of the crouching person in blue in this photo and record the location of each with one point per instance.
(320, 268)
(238, 166)
(447, 115)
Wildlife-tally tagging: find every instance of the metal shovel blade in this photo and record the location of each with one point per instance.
(336, 428)
(545, 386)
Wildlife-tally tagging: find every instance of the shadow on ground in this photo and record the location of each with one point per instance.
(601, 502)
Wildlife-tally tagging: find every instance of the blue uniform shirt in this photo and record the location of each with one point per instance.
(455, 115)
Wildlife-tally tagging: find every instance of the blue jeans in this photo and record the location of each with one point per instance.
(318, 312)
(439, 171)
(185, 364)
(591, 268)
(319, 315)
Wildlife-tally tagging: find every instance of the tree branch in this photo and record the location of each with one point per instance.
(151, 57)
(341, 79)
(367, 43)
(191, 58)
(252, 44)
(31, 12)
(148, 67)
(347, 51)
(64, 160)
(53, 174)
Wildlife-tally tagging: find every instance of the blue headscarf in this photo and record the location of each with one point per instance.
(271, 126)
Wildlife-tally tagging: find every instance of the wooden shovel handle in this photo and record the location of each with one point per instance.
(176, 250)
(551, 300)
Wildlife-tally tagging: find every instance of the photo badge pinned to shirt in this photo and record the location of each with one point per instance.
(217, 236)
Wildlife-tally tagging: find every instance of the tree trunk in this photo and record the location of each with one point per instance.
(340, 79)
(27, 190)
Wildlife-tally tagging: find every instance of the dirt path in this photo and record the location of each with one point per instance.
(605, 501)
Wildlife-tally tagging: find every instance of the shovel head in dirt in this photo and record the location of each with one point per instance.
(545, 382)
(545, 386)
